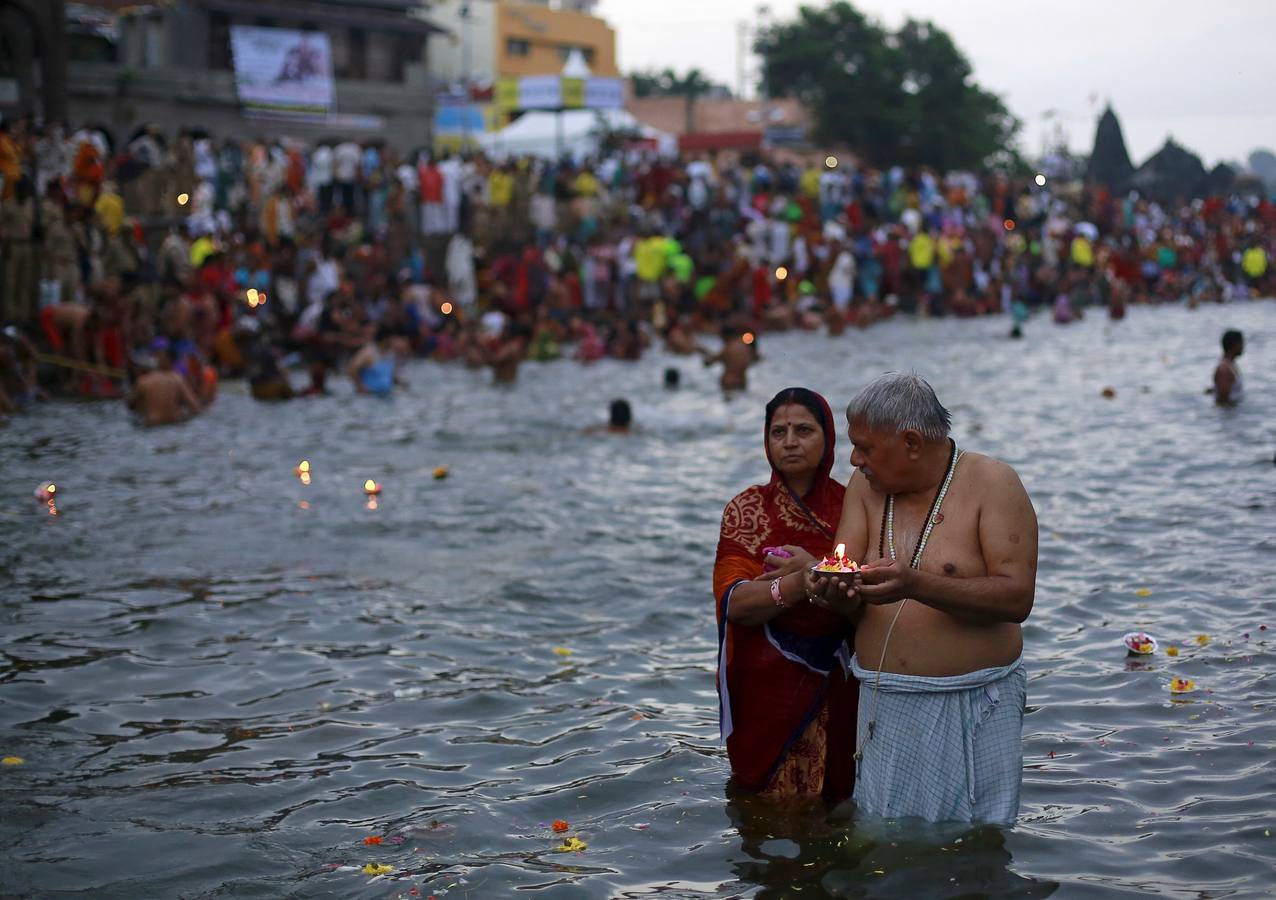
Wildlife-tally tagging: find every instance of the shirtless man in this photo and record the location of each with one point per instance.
(736, 355)
(505, 354)
(938, 645)
(163, 396)
(1227, 375)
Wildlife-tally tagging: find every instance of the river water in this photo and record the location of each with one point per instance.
(221, 681)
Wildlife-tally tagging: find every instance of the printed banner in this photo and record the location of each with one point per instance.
(282, 69)
(505, 94)
(540, 92)
(604, 93)
(573, 93)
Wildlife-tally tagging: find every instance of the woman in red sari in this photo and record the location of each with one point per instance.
(787, 699)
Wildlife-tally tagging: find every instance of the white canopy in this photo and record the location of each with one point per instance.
(573, 131)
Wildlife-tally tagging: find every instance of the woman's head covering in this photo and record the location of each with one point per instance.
(819, 408)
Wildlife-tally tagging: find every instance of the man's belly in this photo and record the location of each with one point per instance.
(928, 642)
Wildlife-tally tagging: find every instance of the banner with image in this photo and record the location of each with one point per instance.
(283, 69)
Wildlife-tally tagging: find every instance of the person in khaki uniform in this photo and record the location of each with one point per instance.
(17, 238)
(59, 250)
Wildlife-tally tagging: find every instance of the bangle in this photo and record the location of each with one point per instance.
(776, 594)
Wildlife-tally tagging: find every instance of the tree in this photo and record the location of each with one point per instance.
(895, 97)
(668, 83)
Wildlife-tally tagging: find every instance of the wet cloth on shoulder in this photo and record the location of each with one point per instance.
(943, 749)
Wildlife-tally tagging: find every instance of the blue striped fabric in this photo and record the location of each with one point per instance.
(943, 749)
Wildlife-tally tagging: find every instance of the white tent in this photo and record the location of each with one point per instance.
(573, 131)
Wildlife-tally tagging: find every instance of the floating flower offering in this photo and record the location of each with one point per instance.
(571, 845)
(1182, 685)
(560, 825)
(837, 563)
(371, 488)
(377, 869)
(1140, 643)
(46, 492)
(440, 472)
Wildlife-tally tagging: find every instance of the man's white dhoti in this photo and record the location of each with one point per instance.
(944, 749)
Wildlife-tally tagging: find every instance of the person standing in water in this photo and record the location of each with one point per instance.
(948, 543)
(1228, 388)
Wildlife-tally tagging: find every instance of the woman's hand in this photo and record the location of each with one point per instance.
(838, 593)
(798, 561)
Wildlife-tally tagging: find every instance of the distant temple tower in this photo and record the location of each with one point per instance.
(1109, 162)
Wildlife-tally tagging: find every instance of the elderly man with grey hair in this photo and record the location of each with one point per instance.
(948, 542)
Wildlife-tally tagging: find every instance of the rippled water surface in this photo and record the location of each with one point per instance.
(221, 681)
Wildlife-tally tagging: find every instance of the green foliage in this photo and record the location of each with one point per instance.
(895, 97)
(668, 83)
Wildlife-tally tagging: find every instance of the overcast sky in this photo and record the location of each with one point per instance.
(1202, 72)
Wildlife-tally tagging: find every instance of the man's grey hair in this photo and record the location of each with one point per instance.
(898, 401)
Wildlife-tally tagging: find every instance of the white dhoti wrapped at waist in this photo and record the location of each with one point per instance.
(945, 749)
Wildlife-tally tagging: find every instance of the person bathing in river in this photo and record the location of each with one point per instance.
(951, 544)
(372, 368)
(162, 396)
(1228, 388)
(737, 354)
(787, 703)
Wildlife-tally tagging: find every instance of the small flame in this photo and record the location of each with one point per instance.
(840, 551)
(370, 487)
(781, 273)
(183, 199)
(747, 337)
(446, 309)
(303, 467)
(830, 161)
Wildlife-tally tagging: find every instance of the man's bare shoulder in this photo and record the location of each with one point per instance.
(987, 467)
(992, 476)
(858, 488)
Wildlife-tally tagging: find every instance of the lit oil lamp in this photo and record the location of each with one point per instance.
(46, 492)
(302, 471)
(747, 337)
(371, 488)
(837, 564)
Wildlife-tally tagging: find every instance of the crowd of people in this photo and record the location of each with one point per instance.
(214, 258)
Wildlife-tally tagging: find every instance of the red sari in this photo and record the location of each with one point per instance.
(786, 697)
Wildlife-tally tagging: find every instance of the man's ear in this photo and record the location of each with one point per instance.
(913, 442)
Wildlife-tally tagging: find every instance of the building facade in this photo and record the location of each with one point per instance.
(33, 59)
(493, 39)
(173, 65)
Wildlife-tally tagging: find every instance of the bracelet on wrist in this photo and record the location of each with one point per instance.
(777, 593)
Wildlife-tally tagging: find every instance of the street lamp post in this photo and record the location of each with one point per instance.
(465, 75)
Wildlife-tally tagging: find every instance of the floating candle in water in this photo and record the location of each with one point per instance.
(371, 488)
(45, 492)
(302, 471)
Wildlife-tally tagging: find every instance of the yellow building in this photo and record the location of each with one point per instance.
(536, 39)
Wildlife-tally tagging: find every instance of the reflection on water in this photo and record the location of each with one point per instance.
(802, 846)
(223, 680)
